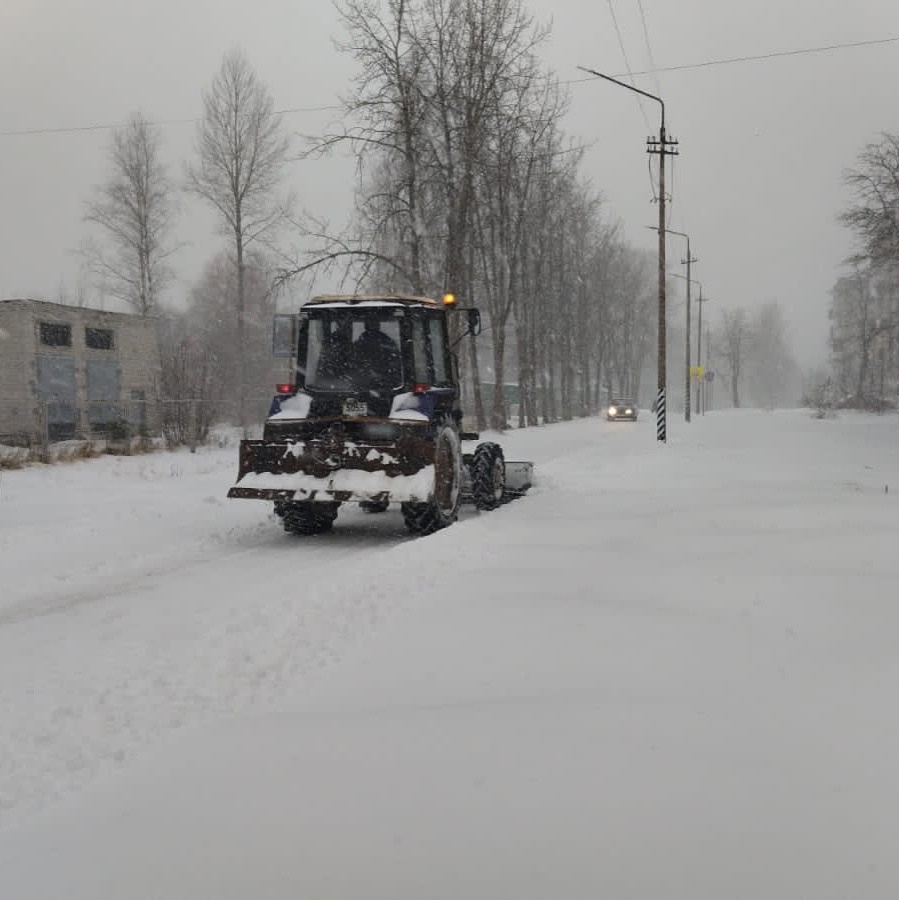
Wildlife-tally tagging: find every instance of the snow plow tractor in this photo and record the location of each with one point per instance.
(372, 416)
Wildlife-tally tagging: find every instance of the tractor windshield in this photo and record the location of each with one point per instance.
(350, 350)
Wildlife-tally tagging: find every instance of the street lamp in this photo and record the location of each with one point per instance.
(688, 262)
(700, 301)
(662, 147)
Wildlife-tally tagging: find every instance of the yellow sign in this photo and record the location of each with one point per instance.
(697, 373)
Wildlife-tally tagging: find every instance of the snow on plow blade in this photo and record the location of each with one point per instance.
(352, 471)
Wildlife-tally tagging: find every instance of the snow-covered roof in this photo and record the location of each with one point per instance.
(371, 300)
(69, 312)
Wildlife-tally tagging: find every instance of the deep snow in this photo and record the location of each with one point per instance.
(669, 672)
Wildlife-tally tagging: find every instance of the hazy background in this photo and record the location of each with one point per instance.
(757, 184)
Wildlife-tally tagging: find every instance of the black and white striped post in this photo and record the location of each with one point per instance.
(660, 415)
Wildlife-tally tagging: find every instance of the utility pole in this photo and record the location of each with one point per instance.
(699, 384)
(708, 354)
(688, 261)
(660, 147)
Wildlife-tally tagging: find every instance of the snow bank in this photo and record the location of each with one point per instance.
(12, 457)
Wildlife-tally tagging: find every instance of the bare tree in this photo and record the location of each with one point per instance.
(874, 213)
(522, 122)
(734, 341)
(772, 373)
(864, 328)
(190, 394)
(135, 213)
(390, 109)
(476, 50)
(242, 157)
(212, 303)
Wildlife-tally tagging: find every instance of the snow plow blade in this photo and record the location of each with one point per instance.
(519, 478)
(287, 470)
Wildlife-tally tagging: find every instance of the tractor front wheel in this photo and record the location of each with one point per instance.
(488, 476)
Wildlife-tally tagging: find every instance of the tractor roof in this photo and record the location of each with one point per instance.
(372, 300)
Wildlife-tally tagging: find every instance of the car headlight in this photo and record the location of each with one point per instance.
(612, 411)
(628, 412)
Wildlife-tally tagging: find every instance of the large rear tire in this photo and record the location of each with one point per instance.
(308, 518)
(488, 476)
(443, 507)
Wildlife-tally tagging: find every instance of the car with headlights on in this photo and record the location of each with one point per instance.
(622, 409)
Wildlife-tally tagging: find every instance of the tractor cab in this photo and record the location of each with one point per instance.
(355, 355)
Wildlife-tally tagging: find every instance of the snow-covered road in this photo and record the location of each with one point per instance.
(669, 672)
(136, 600)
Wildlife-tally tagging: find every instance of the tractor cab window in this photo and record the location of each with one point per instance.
(353, 350)
(420, 351)
(429, 351)
(437, 329)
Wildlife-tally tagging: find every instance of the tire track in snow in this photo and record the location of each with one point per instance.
(94, 676)
(266, 535)
(87, 689)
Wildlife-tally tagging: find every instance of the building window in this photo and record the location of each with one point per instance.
(55, 335)
(98, 338)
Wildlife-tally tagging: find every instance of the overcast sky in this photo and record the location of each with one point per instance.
(757, 185)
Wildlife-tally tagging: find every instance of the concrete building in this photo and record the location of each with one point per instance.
(68, 372)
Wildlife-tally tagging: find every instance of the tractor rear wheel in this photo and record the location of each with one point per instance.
(443, 507)
(488, 476)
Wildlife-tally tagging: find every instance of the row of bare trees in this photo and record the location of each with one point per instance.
(216, 350)
(466, 183)
(864, 313)
(752, 351)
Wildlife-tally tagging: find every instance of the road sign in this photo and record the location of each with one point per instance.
(697, 373)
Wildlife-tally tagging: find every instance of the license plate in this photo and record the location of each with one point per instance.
(355, 408)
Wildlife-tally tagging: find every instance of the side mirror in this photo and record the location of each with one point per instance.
(284, 336)
(474, 321)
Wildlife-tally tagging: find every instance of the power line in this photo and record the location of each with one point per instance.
(627, 65)
(75, 129)
(730, 60)
(652, 62)
(759, 56)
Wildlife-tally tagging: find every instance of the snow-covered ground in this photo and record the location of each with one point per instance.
(668, 672)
